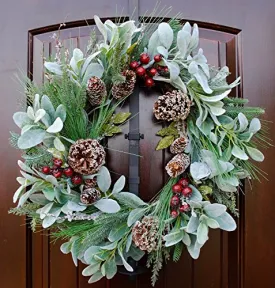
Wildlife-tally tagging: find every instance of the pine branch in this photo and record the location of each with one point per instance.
(249, 112)
(177, 252)
(235, 101)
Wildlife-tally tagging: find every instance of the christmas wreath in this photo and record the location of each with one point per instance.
(65, 182)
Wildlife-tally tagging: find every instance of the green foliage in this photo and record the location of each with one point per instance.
(169, 134)
(227, 199)
(249, 112)
(177, 252)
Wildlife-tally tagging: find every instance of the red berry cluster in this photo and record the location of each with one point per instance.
(147, 74)
(58, 171)
(180, 189)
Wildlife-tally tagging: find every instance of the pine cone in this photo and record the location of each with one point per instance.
(179, 145)
(145, 234)
(90, 183)
(126, 88)
(173, 106)
(96, 90)
(86, 156)
(177, 165)
(90, 196)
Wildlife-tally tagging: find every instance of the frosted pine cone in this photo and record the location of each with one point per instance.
(126, 88)
(96, 90)
(90, 196)
(173, 106)
(145, 234)
(86, 156)
(90, 183)
(177, 165)
(179, 145)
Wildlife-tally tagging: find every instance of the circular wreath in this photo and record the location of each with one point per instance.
(64, 183)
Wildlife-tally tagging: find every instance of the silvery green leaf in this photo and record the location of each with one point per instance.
(186, 239)
(104, 179)
(46, 120)
(39, 114)
(194, 38)
(53, 67)
(206, 127)
(212, 223)
(215, 98)
(255, 154)
(94, 69)
(68, 140)
(110, 246)
(134, 216)
(30, 113)
(56, 127)
(179, 84)
(39, 199)
(213, 137)
(255, 125)
(183, 40)
(24, 167)
(194, 248)
(74, 252)
(47, 105)
(129, 243)
(75, 207)
(243, 122)
(91, 269)
(60, 112)
(107, 205)
(239, 153)
(58, 144)
(232, 180)
(88, 61)
(18, 193)
(173, 238)
(163, 51)
(214, 210)
(135, 253)
(203, 81)
(51, 179)
(202, 233)
(125, 264)
(101, 27)
(44, 210)
(130, 200)
(27, 128)
(216, 108)
(195, 205)
(192, 225)
(31, 138)
(48, 221)
(20, 118)
(90, 252)
(166, 35)
(29, 177)
(111, 268)
(76, 59)
(154, 42)
(22, 181)
(196, 195)
(199, 170)
(224, 186)
(65, 248)
(119, 185)
(118, 232)
(246, 136)
(174, 69)
(49, 193)
(226, 222)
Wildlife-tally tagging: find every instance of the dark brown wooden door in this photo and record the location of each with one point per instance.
(234, 33)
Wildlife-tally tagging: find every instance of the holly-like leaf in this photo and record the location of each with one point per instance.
(110, 130)
(121, 117)
(170, 130)
(165, 142)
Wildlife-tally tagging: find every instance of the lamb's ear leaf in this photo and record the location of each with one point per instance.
(31, 138)
(104, 179)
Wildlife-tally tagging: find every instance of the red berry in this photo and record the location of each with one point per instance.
(184, 208)
(183, 182)
(144, 58)
(157, 58)
(57, 173)
(149, 82)
(68, 172)
(165, 69)
(174, 214)
(134, 65)
(46, 170)
(153, 71)
(57, 162)
(76, 179)
(177, 188)
(186, 191)
(175, 201)
(140, 71)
